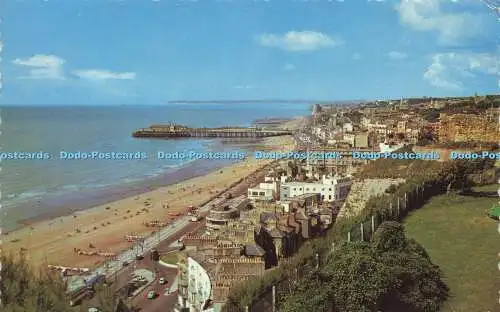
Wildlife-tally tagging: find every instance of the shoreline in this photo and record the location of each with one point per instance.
(87, 199)
(51, 239)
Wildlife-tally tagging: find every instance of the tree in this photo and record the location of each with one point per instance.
(27, 290)
(389, 236)
(311, 291)
(391, 274)
(24, 290)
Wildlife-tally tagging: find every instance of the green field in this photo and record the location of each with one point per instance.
(171, 257)
(464, 242)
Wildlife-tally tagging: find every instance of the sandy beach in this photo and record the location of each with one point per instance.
(53, 241)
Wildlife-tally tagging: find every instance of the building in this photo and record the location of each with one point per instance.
(389, 148)
(378, 128)
(330, 188)
(195, 289)
(361, 140)
(220, 216)
(268, 190)
(347, 127)
(402, 126)
(349, 138)
(365, 121)
(257, 193)
(306, 200)
(357, 140)
(205, 282)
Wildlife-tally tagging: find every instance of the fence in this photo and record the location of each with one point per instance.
(398, 206)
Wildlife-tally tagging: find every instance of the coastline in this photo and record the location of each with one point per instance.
(87, 199)
(103, 221)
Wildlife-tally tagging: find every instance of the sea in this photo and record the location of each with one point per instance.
(33, 189)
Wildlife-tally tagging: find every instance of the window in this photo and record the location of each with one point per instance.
(329, 197)
(307, 189)
(284, 195)
(330, 189)
(262, 193)
(323, 189)
(294, 188)
(314, 189)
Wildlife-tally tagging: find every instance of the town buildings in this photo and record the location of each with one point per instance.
(221, 215)
(331, 188)
(244, 240)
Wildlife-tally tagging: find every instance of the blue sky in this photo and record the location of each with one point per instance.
(144, 52)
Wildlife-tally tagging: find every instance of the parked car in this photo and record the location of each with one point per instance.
(162, 281)
(139, 257)
(152, 294)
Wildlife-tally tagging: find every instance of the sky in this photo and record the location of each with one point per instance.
(99, 52)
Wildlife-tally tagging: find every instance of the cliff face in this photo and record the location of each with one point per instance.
(468, 127)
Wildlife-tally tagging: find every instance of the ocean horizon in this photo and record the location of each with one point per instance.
(35, 188)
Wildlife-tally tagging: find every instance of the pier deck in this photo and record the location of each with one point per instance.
(175, 131)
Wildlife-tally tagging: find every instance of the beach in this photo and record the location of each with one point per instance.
(103, 228)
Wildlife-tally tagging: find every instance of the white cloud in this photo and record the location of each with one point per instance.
(101, 74)
(42, 66)
(298, 41)
(243, 87)
(395, 55)
(427, 15)
(290, 67)
(446, 69)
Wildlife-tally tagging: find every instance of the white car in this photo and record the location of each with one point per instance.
(162, 281)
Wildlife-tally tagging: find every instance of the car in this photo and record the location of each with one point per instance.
(152, 294)
(139, 257)
(162, 281)
(125, 263)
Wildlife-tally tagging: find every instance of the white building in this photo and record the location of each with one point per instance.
(268, 190)
(349, 138)
(199, 288)
(378, 128)
(258, 193)
(320, 132)
(330, 188)
(387, 148)
(347, 127)
(365, 121)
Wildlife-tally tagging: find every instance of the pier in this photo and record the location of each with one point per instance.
(178, 131)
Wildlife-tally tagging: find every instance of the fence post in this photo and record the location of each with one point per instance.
(247, 309)
(406, 201)
(399, 204)
(274, 298)
(349, 236)
(362, 234)
(373, 225)
(390, 207)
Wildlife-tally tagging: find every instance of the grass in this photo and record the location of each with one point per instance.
(171, 257)
(464, 242)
